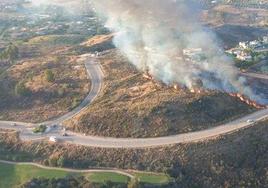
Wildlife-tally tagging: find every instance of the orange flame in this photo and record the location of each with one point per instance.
(247, 100)
(148, 76)
(241, 97)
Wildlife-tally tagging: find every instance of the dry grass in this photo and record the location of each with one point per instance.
(131, 106)
(48, 99)
(97, 40)
(236, 160)
(228, 14)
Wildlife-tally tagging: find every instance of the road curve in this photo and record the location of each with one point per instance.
(94, 70)
(121, 172)
(95, 73)
(255, 75)
(107, 142)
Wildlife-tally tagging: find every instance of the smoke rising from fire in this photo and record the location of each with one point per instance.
(154, 35)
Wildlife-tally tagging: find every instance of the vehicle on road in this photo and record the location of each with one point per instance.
(65, 134)
(54, 126)
(250, 121)
(53, 139)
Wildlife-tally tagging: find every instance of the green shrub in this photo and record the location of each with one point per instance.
(40, 129)
(61, 161)
(11, 53)
(22, 90)
(53, 162)
(50, 77)
(134, 183)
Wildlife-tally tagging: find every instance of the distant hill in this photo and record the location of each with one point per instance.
(238, 3)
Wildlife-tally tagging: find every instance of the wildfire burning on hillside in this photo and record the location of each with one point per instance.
(247, 100)
(200, 90)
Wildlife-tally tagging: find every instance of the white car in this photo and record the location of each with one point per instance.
(53, 139)
(250, 121)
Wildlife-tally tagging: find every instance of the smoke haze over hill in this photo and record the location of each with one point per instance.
(153, 34)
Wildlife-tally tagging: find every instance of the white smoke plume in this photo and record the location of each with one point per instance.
(153, 35)
(39, 2)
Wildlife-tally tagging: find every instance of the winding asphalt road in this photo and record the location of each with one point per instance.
(96, 74)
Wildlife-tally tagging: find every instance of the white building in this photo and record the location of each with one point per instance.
(244, 56)
(265, 39)
(254, 43)
(243, 45)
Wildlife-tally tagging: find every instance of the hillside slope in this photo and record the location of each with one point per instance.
(133, 106)
(236, 160)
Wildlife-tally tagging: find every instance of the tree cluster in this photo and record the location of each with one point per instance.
(11, 53)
